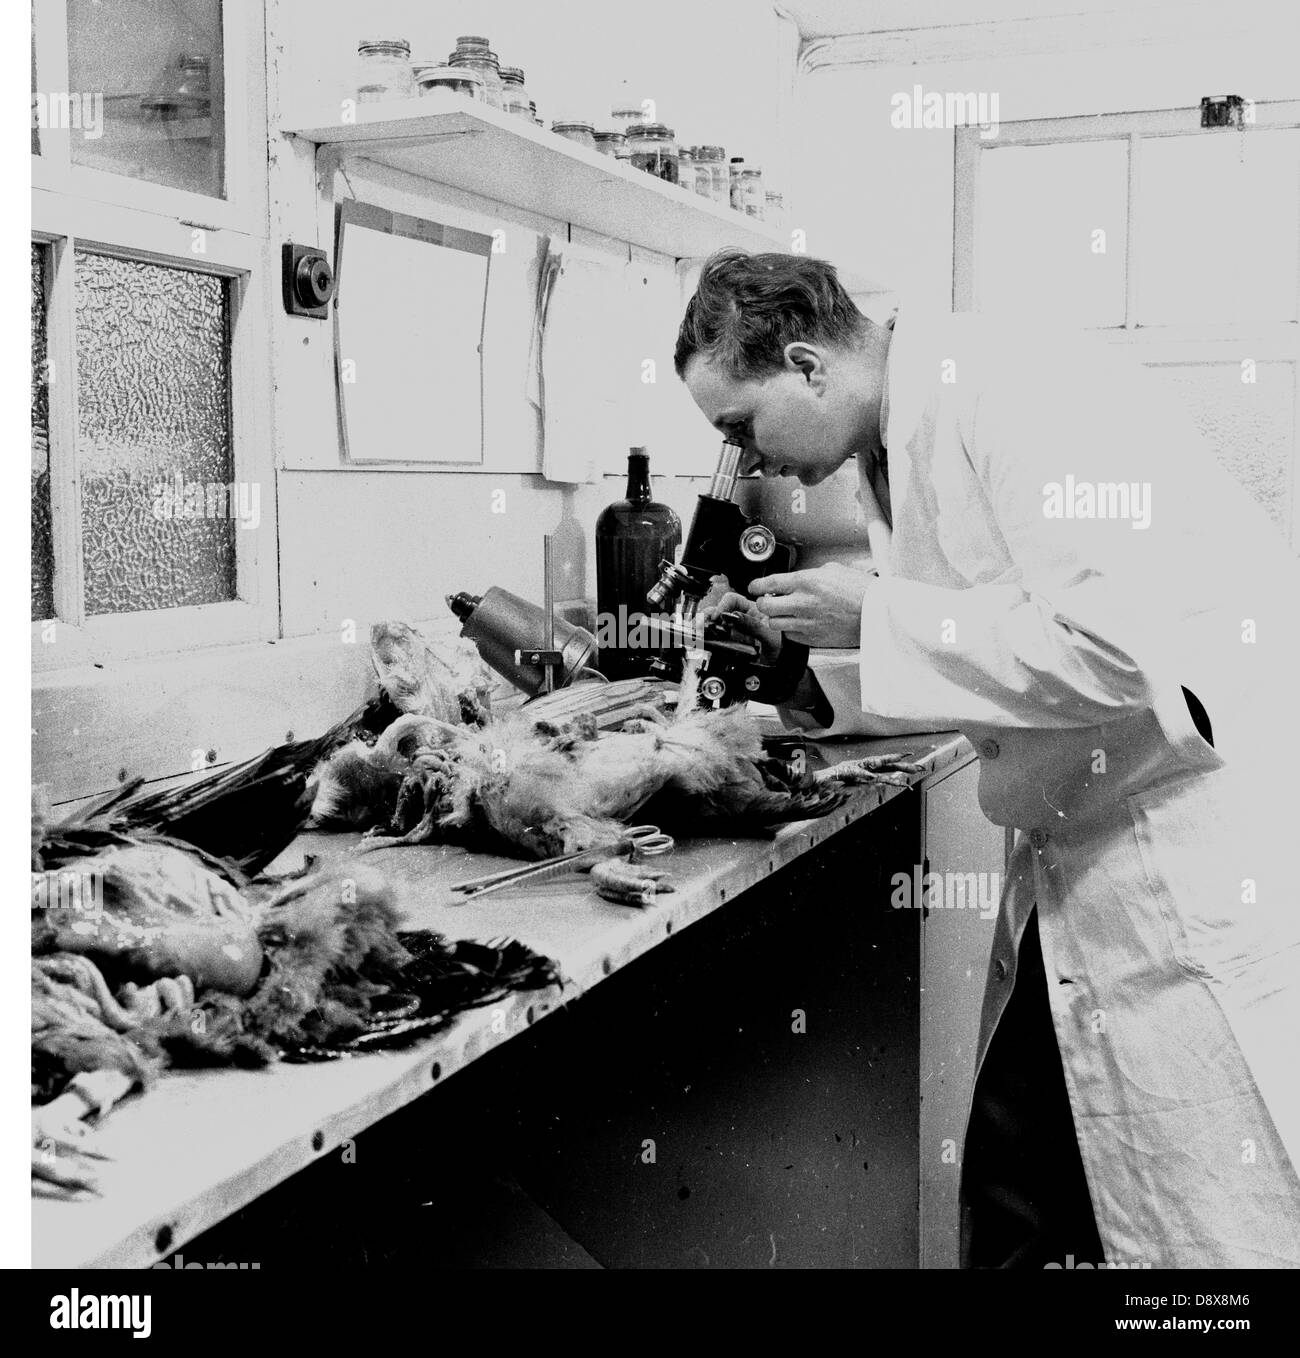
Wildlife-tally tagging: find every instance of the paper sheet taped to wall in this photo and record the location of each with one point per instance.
(409, 329)
(584, 367)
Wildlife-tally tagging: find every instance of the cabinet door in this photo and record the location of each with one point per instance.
(964, 855)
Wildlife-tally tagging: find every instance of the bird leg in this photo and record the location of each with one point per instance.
(62, 1141)
(626, 883)
(423, 793)
(646, 717)
(872, 768)
(565, 737)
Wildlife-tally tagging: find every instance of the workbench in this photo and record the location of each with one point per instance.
(201, 1145)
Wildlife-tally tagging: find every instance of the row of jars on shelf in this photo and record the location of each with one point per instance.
(386, 71)
(473, 69)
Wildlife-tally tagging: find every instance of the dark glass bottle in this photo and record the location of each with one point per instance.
(633, 536)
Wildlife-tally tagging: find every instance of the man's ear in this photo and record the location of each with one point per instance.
(808, 361)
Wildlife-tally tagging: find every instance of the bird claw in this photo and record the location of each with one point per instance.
(63, 1146)
(167, 995)
(627, 883)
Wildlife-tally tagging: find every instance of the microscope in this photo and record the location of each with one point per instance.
(723, 540)
(717, 663)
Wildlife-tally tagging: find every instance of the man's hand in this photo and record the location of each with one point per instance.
(821, 607)
(751, 619)
(808, 697)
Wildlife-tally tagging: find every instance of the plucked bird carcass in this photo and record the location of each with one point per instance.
(536, 789)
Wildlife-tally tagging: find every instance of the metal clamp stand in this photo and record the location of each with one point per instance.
(548, 658)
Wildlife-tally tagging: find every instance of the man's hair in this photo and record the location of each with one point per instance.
(747, 308)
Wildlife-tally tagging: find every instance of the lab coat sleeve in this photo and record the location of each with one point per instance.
(1076, 632)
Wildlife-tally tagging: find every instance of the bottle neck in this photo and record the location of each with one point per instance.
(638, 479)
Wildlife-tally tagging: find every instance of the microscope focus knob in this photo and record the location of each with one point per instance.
(757, 543)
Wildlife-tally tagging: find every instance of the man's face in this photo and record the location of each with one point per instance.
(796, 422)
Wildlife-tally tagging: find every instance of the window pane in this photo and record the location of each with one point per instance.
(42, 537)
(1052, 230)
(158, 67)
(1249, 425)
(1217, 224)
(154, 447)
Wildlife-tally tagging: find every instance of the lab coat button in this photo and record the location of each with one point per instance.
(1001, 968)
(1038, 838)
(989, 749)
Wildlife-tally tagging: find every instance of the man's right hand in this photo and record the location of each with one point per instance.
(749, 618)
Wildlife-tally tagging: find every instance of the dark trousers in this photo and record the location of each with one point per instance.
(1025, 1199)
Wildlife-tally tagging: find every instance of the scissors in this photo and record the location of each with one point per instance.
(641, 841)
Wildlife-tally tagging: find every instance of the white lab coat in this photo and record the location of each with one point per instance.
(1169, 909)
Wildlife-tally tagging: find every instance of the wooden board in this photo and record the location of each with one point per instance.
(201, 1145)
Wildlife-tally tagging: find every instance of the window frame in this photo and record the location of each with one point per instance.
(1157, 346)
(1133, 128)
(74, 208)
(244, 206)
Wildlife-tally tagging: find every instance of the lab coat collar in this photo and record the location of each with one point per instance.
(906, 389)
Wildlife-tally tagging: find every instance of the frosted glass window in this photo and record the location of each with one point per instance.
(1217, 223)
(1052, 230)
(42, 535)
(1249, 425)
(154, 444)
(153, 69)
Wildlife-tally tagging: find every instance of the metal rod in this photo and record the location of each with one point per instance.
(548, 585)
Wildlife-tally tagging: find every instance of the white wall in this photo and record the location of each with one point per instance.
(880, 199)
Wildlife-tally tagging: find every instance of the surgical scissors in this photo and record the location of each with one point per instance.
(641, 841)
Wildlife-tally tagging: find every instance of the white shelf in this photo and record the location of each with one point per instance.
(450, 139)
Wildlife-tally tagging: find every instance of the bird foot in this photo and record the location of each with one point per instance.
(627, 883)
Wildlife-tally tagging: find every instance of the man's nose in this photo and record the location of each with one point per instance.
(750, 461)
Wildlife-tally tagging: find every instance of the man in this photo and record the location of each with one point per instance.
(1065, 576)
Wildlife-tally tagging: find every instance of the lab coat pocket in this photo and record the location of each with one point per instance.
(1215, 874)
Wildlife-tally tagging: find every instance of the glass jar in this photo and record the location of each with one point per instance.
(707, 159)
(626, 118)
(751, 184)
(580, 133)
(774, 213)
(194, 90)
(713, 161)
(654, 150)
(451, 79)
(611, 143)
(475, 55)
(685, 168)
(384, 70)
(735, 185)
(515, 98)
